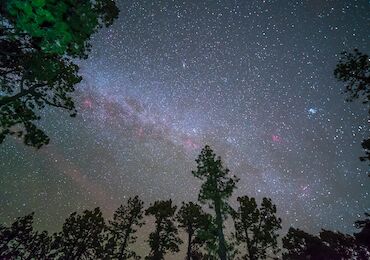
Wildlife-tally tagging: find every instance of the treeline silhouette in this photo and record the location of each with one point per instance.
(255, 234)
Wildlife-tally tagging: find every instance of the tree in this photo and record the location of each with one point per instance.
(82, 236)
(20, 241)
(354, 70)
(363, 237)
(344, 245)
(39, 40)
(257, 227)
(328, 245)
(217, 187)
(193, 220)
(123, 228)
(165, 236)
(209, 237)
(301, 245)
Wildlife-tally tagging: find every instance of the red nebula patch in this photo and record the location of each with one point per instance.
(276, 139)
(87, 103)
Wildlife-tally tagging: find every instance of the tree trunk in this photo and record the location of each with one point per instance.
(157, 254)
(221, 237)
(190, 235)
(126, 238)
(248, 242)
(124, 244)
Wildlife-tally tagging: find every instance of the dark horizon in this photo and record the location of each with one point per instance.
(255, 81)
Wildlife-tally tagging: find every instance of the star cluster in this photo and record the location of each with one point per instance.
(253, 79)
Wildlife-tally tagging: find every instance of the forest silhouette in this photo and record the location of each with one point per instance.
(255, 233)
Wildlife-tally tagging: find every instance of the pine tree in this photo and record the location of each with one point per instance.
(165, 236)
(21, 241)
(193, 220)
(217, 187)
(82, 236)
(257, 227)
(123, 227)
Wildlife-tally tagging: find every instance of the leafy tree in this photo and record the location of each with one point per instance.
(82, 236)
(257, 227)
(123, 228)
(38, 41)
(354, 70)
(209, 238)
(328, 245)
(20, 241)
(217, 187)
(344, 245)
(193, 220)
(301, 245)
(165, 237)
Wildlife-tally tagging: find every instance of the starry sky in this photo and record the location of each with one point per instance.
(253, 79)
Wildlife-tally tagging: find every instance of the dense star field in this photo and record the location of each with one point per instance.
(252, 79)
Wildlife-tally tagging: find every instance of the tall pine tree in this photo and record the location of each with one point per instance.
(123, 227)
(165, 236)
(192, 219)
(218, 185)
(82, 236)
(257, 227)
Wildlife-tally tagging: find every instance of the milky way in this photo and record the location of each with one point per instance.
(253, 79)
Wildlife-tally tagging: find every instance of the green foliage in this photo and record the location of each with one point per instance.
(218, 184)
(257, 227)
(165, 236)
(123, 228)
(38, 41)
(217, 187)
(209, 237)
(82, 236)
(60, 27)
(51, 81)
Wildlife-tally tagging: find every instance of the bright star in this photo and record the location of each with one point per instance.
(312, 111)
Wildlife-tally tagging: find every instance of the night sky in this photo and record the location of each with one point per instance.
(253, 79)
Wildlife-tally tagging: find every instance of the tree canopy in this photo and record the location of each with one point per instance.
(165, 236)
(257, 227)
(22, 241)
(218, 186)
(38, 41)
(193, 220)
(354, 70)
(81, 236)
(126, 220)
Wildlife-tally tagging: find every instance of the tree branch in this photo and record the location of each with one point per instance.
(6, 100)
